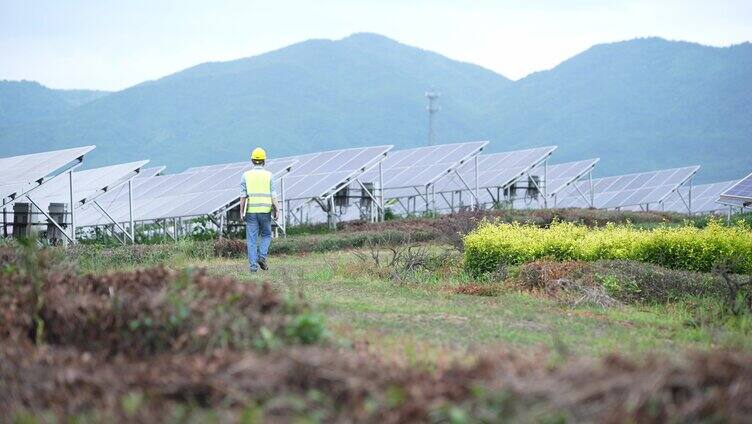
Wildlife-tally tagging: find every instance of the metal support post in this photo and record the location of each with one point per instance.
(477, 192)
(433, 199)
(545, 184)
(592, 190)
(690, 195)
(282, 215)
(72, 208)
(381, 192)
(330, 213)
(52, 221)
(104, 211)
(130, 211)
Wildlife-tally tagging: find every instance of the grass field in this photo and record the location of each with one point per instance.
(426, 320)
(345, 339)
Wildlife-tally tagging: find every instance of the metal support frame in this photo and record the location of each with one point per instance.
(104, 211)
(406, 209)
(371, 195)
(467, 186)
(451, 204)
(494, 199)
(585, 198)
(165, 231)
(688, 201)
(330, 214)
(545, 183)
(477, 193)
(283, 213)
(5, 222)
(130, 211)
(50, 220)
(72, 237)
(381, 191)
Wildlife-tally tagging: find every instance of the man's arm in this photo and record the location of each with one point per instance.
(275, 203)
(275, 208)
(243, 198)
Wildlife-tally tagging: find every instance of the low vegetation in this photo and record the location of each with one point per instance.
(380, 323)
(494, 245)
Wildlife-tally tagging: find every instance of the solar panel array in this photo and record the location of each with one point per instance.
(448, 170)
(408, 172)
(558, 177)
(19, 174)
(195, 192)
(318, 175)
(627, 190)
(740, 193)
(497, 169)
(704, 198)
(87, 184)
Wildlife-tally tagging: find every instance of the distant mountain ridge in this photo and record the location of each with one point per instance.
(640, 104)
(28, 101)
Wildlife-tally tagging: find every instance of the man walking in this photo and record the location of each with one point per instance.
(258, 202)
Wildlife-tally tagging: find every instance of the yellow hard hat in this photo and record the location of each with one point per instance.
(258, 154)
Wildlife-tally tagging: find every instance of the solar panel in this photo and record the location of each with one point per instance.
(87, 184)
(704, 198)
(20, 174)
(196, 192)
(740, 192)
(318, 175)
(619, 191)
(495, 171)
(408, 172)
(558, 177)
(561, 175)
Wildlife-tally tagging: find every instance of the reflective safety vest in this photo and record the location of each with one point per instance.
(258, 186)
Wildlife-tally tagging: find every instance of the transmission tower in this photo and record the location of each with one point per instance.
(432, 97)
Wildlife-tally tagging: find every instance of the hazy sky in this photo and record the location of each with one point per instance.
(108, 44)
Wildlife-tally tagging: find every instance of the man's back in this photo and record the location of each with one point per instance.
(257, 187)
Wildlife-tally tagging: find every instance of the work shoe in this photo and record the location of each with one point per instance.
(252, 270)
(262, 263)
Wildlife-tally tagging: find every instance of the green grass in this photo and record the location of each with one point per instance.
(426, 321)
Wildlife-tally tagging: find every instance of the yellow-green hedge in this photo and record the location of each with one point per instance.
(686, 247)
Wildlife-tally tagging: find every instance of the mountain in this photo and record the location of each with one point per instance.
(28, 101)
(316, 95)
(639, 105)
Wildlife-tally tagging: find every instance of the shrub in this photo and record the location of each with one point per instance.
(626, 281)
(685, 247)
(143, 312)
(291, 245)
